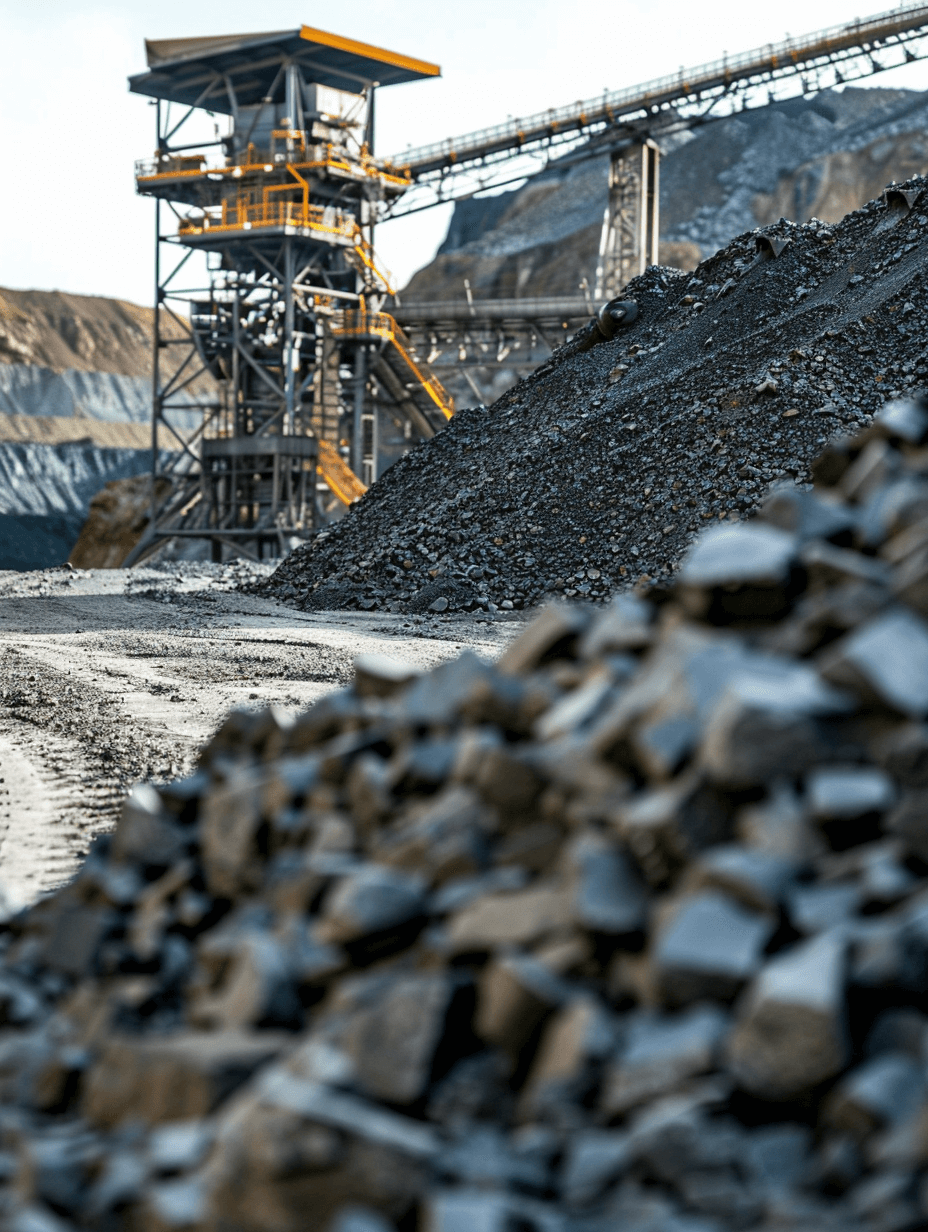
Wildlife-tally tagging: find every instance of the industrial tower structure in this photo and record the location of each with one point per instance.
(301, 362)
(288, 321)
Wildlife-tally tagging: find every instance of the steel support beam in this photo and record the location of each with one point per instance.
(629, 239)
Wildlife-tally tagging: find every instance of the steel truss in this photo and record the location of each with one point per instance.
(479, 348)
(629, 240)
(270, 396)
(508, 154)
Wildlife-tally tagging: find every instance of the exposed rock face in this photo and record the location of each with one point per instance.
(835, 184)
(821, 157)
(116, 521)
(75, 402)
(45, 492)
(86, 333)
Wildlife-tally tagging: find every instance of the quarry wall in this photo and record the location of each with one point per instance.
(75, 407)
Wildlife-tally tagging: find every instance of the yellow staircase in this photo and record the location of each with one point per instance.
(341, 479)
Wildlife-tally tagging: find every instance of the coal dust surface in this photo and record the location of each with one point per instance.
(597, 471)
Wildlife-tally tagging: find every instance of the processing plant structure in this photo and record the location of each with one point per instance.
(307, 369)
(309, 375)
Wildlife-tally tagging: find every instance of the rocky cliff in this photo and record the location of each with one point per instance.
(819, 157)
(75, 405)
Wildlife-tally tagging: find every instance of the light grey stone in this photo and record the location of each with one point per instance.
(887, 659)
(790, 1034)
(710, 947)
(738, 554)
(660, 1052)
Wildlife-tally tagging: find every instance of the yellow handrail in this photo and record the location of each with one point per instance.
(242, 215)
(365, 255)
(255, 161)
(354, 324)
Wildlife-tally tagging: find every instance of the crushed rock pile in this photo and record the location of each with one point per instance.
(600, 467)
(629, 930)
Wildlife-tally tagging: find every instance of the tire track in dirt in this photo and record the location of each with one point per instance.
(110, 677)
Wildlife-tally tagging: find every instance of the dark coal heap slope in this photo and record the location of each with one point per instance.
(628, 931)
(601, 466)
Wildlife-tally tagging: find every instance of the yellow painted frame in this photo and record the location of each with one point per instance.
(312, 35)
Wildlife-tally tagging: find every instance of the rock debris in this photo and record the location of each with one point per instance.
(598, 470)
(629, 929)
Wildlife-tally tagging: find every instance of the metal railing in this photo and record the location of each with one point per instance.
(776, 59)
(245, 216)
(359, 323)
(541, 308)
(170, 165)
(319, 157)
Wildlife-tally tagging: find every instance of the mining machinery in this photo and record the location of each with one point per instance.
(308, 373)
(310, 376)
(627, 126)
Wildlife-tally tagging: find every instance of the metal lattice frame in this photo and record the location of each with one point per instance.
(509, 153)
(260, 375)
(628, 244)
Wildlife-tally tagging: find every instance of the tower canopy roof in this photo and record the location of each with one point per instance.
(208, 72)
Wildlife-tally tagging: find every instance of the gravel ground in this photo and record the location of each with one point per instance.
(112, 676)
(597, 471)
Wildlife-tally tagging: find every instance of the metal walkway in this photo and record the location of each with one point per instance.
(478, 348)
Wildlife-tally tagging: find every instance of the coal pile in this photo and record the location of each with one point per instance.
(629, 930)
(599, 469)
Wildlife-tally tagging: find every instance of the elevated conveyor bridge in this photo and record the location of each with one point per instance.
(627, 124)
(461, 166)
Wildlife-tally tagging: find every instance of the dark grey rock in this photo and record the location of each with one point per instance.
(609, 897)
(903, 418)
(389, 1028)
(377, 675)
(808, 515)
(148, 834)
(757, 879)
(484, 1156)
(360, 1219)
(816, 908)
(663, 744)
(467, 1210)
(844, 793)
(660, 1052)
(563, 1071)
(515, 993)
(765, 726)
(732, 555)
(778, 1157)
(903, 1031)
(595, 1159)
(372, 900)
(887, 660)
(625, 625)
(909, 821)
(882, 1091)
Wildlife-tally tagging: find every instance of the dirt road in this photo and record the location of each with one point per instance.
(108, 677)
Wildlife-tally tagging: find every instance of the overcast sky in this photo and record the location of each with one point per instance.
(69, 216)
